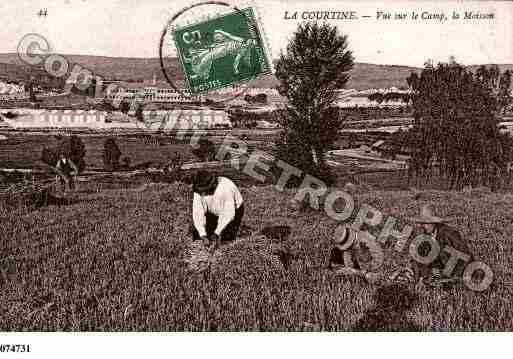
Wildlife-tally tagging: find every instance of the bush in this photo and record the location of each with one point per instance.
(111, 155)
(205, 150)
(124, 107)
(139, 113)
(126, 162)
(49, 156)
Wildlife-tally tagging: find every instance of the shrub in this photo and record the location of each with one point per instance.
(124, 107)
(126, 162)
(139, 113)
(205, 150)
(111, 155)
(49, 156)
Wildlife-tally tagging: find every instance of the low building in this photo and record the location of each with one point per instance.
(151, 93)
(7, 88)
(201, 118)
(267, 125)
(11, 91)
(55, 118)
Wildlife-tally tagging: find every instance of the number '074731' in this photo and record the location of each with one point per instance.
(15, 348)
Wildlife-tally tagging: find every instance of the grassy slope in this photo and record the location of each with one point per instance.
(81, 266)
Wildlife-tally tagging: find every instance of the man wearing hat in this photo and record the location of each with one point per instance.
(444, 235)
(67, 171)
(352, 254)
(217, 209)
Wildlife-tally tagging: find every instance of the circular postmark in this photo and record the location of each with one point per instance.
(217, 55)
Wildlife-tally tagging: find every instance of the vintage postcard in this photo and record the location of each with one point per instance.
(185, 166)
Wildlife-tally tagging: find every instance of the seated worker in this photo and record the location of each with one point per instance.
(351, 255)
(217, 209)
(445, 235)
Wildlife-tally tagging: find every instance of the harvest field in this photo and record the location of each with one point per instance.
(116, 260)
(24, 150)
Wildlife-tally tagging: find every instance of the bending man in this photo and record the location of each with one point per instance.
(217, 209)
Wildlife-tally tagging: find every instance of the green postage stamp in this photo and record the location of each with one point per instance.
(222, 51)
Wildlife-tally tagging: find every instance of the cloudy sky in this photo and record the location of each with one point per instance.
(132, 28)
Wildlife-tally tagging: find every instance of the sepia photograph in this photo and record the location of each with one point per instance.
(253, 166)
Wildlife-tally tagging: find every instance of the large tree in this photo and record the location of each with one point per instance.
(455, 132)
(503, 95)
(498, 83)
(315, 64)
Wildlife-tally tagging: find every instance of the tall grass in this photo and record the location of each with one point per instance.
(116, 261)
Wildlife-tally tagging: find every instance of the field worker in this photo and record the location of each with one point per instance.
(444, 235)
(66, 171)
(352, 252)
(217, 209)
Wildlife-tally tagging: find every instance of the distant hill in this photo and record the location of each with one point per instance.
(112, 68)
(502, 67)
(17, 73)
(363, 75)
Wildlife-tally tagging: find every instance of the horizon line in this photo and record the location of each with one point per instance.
(356, 62)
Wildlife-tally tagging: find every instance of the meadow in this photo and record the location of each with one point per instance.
(116, 260)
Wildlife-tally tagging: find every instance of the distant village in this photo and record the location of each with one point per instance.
(160, 92)
(12, 91)
(255, 107)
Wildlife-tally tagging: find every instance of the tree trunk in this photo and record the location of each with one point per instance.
(314, 152)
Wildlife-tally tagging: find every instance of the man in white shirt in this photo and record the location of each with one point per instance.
(217, 209)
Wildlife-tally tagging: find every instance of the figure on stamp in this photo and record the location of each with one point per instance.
(225, 44)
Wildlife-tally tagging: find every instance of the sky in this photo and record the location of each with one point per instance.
(132, 28)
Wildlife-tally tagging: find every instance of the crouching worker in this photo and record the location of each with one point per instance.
(356, 254)
(67, 171)
(217, 209)
(448, 239)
